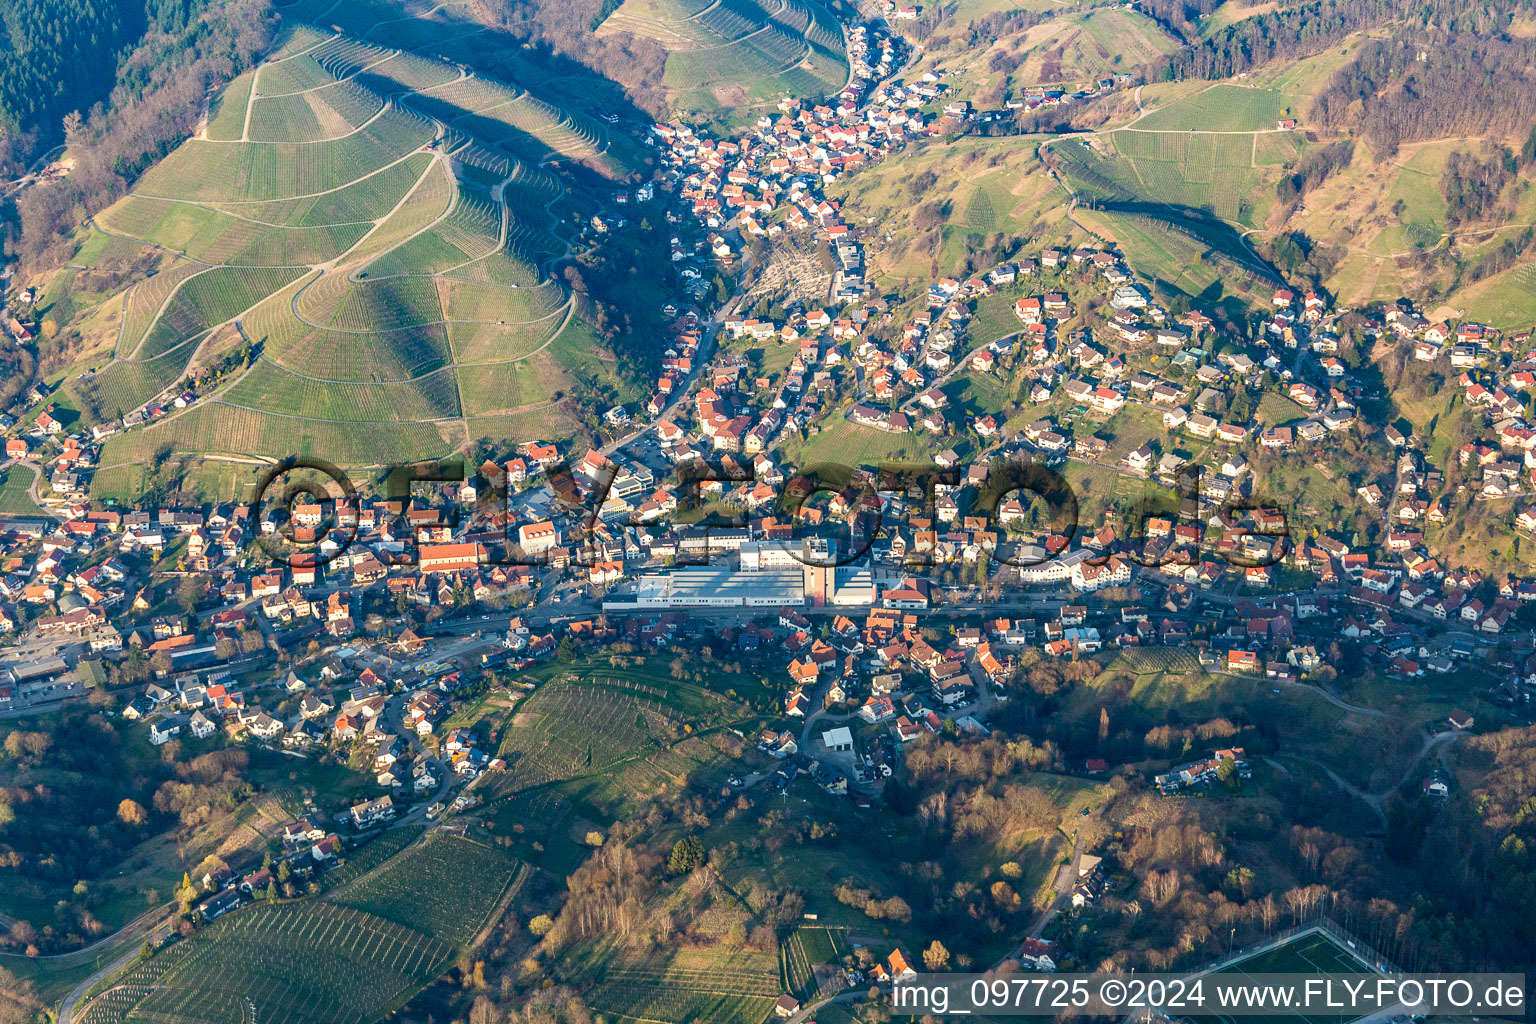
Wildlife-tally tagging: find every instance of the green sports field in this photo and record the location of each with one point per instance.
(1313, 954)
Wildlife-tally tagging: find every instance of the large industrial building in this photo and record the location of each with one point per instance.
(715, 587)
(768, 575)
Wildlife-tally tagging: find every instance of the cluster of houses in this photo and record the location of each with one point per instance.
(308, 850)
(20, 316)
(359, 542)
(1090, 344)
(1203, 773)
(771, 179)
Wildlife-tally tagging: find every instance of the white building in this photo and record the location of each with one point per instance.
(839, 739)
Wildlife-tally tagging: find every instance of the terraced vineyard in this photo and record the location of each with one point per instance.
(291, 965)
(350, 959)
(1154, 659)
(147, 298)
(609, 737)
(1210, 172)
(1178, 197)
(566, 729)
(361, 861)
(687, 985)
(1505, 300)
(206, 171)
(739, 53)
(1222, 107)
(268, 386)
(226, 112)
(317, 114)
(444, 886)
(208, 299)
(366, 216)
(230, 237)
(216, 427)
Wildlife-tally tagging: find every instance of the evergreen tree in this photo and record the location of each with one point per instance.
(687, 854)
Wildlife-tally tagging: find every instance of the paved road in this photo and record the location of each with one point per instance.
(1335, 700)
(1439, 742)
(44, 707)
(67, 1008)
(150, 924)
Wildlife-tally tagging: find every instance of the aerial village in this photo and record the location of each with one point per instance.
(354, 626)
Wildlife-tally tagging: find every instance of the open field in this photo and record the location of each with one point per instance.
(218, 479)
(1384, 211)
(984, 188)
(1073, 48)
(841, 443)
(1298, 82)
(1141, 686)
(1506, 300)
(15, 492)
(1078, 48)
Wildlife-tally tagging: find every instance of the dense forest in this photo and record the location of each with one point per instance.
(1187, 875)
(1179, 16)
(63, 56)
(74, 797)
(58, 56)
(1472, 187)
(1274, 35)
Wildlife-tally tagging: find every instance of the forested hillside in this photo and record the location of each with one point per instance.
(57, 56)
(1463, 76)
(567, 27)
(187, 47)
(1431, 85)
